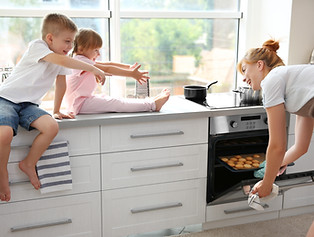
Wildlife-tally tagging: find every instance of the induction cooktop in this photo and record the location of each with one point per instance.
(224, 100)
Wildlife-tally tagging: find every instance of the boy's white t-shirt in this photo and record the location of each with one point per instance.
(292, 85)
(32, 77)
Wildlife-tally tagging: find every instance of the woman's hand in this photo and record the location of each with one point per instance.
(262, 189)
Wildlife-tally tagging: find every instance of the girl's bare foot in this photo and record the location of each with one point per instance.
(30, 171)
(5, 194)
(161, 99)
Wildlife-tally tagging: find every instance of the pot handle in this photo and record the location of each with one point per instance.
(237, 91)
(212, 83)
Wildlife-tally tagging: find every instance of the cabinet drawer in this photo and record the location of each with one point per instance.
(155, 207)
(144, 135)
(78, 215)
(305, 162)
(82, 141)
(136, 168)
(298, 197)
(238, 209)
(85, 177)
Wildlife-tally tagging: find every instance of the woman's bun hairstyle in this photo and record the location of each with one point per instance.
(271, 45)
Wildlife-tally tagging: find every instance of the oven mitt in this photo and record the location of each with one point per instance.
(259, 174)
(256, 202)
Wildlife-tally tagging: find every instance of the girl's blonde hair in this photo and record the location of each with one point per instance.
(87, 39)
(268, 54)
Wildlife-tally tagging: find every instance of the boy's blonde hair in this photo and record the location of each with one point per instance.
(268, 54)
(54, 23)
(87, 39)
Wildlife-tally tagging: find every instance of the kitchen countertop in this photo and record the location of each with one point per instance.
(176, 106)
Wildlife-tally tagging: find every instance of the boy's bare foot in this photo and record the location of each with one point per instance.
(5, 194)
(161, 99)
(31, 173)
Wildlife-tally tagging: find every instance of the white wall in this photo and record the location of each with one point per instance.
(301, 31)
(289, 21)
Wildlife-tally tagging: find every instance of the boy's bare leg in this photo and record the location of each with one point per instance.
(48, 129)
(303, 133)
(6, 136)
(161, 99)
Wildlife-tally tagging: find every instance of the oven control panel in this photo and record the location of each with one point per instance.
(238, 123)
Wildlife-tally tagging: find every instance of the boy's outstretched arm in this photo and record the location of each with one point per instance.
(59, 93)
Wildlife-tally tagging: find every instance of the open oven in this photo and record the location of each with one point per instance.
(241, 138)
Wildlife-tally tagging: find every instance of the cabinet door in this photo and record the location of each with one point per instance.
(82, 141)
(151, 166)
(144, 135)
(155, 207)
(85, 177)
(237, 213)
(77, 215)
(298, 197)
(305, 162)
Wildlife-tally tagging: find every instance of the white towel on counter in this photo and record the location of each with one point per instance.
(53, 168)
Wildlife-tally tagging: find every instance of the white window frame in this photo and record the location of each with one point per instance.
(114, 15)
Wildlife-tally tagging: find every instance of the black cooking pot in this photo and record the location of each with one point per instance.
(197, 93)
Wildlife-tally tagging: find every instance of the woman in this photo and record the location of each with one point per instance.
(285, 88)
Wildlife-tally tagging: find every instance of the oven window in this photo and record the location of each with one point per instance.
(242, 146)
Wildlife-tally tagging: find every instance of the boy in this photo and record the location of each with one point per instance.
(20, 94)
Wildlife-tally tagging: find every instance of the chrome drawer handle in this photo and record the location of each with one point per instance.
(40, 225)
(243, 209)
(21, 147)
(156, 207)
(298, 185)
(157, 134)
(160, 166)
(18, 182)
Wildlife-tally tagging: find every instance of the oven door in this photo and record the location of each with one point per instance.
(225, 185)
(223, 181)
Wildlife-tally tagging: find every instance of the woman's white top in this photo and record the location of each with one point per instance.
(292, 85)
(32, 77)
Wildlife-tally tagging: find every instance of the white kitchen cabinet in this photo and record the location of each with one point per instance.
(153, 207)
(305, 162)
(85, 172)
(154, 175)
(145, 135)
(127, 169)
(240, 213)
(82, 141)
(130, 177)
(77, 215)
(73, 212)
(299, 197)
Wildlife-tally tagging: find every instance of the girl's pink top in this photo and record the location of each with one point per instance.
(80, 85)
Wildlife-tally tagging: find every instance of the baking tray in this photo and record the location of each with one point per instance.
(260, 157)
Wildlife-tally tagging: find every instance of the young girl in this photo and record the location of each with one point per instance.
(285, 88)
(81, 85)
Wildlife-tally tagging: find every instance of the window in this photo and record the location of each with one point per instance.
(179, 42)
